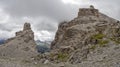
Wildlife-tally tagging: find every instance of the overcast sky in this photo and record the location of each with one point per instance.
(44, 15)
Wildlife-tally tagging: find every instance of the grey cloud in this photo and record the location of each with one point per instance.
(46, 24)
(51, 8)
(7, 27)
(46, 14)
(109, 7)
(55, 9)
(2, 27)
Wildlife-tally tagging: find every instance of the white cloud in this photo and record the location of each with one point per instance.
(44, 35)
(4, 17)
(70, 2)
(44, 15)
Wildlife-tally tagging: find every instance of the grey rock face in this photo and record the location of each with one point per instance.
(88, 12)
(27, 26)
(91, 29)
(20, 46)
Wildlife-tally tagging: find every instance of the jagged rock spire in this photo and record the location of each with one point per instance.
(22, 45)
(92, 7)
(88, 11)
(27, 26)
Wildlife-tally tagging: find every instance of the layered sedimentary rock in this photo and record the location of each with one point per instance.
(88, 12)
(91, 29)
(20, 46)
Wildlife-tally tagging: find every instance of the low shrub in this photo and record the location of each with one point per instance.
(62, 57)
(93, 47)
(98, 36)
(102, 43)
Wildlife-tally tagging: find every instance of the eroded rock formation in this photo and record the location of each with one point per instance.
(91, 29)
(20, 46)
(88, 12)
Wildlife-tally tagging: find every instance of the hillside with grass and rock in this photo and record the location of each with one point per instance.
(92, 39)
(21, 46)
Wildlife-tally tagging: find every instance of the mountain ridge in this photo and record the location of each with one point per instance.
(90, 30)
(92, 39)
(20, 46)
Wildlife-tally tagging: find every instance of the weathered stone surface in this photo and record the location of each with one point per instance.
(20, 46)
(88, 12)
(91, 29)
(27, 26)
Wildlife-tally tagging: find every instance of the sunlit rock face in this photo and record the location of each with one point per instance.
(20, 46)
(90, 28)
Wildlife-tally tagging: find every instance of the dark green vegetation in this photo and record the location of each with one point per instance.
(115, 39)
(99, 40)
(98, 36)
(62, 57)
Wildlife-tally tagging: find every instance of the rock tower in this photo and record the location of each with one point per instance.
(20, 46)
(27, 26)
(88, 11)
(91, 29)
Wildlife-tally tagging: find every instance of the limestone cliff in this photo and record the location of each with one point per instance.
(91, 29)
(20, 46)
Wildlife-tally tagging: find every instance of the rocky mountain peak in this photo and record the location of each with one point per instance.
(92, 7)
(27, 26)
(20, 46)
(90, 30)
(26, 31)
(88, 11)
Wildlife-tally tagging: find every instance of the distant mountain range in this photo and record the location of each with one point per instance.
(43, 46)
(2, 41)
